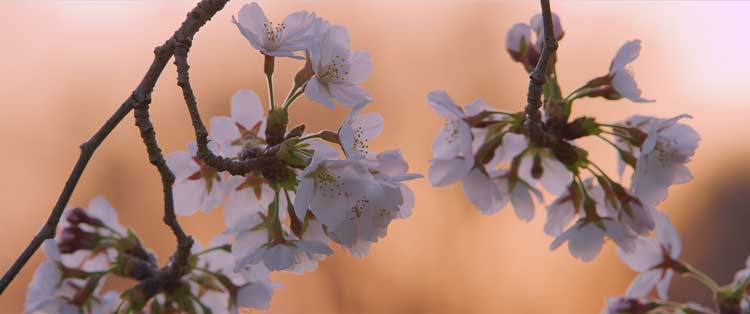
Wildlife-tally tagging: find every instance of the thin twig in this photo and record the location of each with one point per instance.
(195, 19)
(234, 167)
(538, 77)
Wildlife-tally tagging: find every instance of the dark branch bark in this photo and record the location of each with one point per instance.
(538, 76)
(195, 19)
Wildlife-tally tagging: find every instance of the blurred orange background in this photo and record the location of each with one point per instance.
(65, 66)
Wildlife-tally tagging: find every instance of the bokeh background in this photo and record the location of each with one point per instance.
(66, 65)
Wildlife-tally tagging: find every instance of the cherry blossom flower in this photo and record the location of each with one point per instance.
(540, 165)
(242, 290)
(666, 149)
(586, 237)
(452, 148)
(537, 24)
(51, 292)
(484, 192)
(327, 187)
(254, 246)
(511, 145)
(655, 259)
(391, 171)
(246, 195)
(245, 126)
(297, 32)
(518, 40)
(338, 71)
(97, 220)
(363, 223)
(621, 78)
(197, 185)
(357, 130)
(564, 209)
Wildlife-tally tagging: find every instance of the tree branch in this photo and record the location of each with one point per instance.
(538, 77)
(195, 19)
(234, 167)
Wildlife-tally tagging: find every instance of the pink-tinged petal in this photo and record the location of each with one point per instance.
(224, 129)
(643, 283)
(304, 197)
(512, 145)
(319, 93)
(446, 171)
(646, 254)
(559, 215)
(624, 83)
(536, 23)
(250, 21)
(667, 235)
(51, 249)
(444, 105)
(623, 237)
(408, 204)
(682, 174)
(625, 55)
(188, 196)
(586, 243)
(522, 203)
(100, 208)
(662, 288)
(518, 36)
(246, 108)
(361, 67)
(255, 295)
(279, 257)
(476, 107)
(241, 203)
(556, 177)
(348, 94)
(448, 143)
(335, 42)
(483, 192)
(182, 165)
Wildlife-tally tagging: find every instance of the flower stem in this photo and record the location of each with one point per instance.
(293, 95)
(225, 247)
(269, 79)
(692, 272)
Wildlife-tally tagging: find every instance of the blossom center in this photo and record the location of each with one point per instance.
(329, 185)
(334, 70)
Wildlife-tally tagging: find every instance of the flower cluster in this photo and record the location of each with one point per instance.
(93, 246)
(498, 163)
(311, 189)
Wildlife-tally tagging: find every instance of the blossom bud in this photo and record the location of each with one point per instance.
(74, 238)
(583, 126)
(276, 124)
(537, 171)
(304, 74)
(297, 131)
(130, 266)
(78, 216)
(518, 40)
(330, 136)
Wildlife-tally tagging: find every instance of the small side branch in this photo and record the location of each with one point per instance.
(196, 18)
(234, 167)
(538, 77)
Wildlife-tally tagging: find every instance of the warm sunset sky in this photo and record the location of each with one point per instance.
(66, 65)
